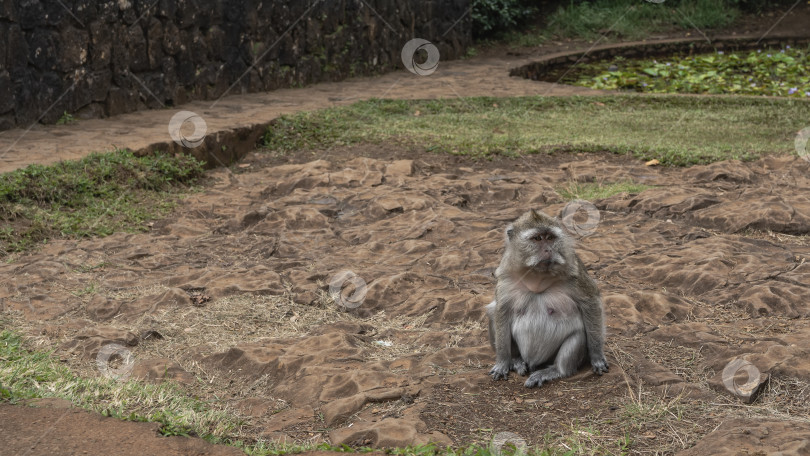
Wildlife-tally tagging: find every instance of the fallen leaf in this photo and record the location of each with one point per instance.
(652, 162)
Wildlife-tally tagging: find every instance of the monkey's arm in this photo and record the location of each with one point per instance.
(503, 340)
(594, 321)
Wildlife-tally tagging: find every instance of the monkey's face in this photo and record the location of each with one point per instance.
(538, 247)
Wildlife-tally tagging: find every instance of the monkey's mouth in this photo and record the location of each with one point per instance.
(543, 265)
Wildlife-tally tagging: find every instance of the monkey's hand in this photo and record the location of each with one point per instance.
(500, 371)
(520, 366)
(599, 363)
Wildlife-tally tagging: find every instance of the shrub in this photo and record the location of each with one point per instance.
(492, 16)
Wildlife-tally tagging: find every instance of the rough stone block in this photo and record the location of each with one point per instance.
(6, 92)
(112, 48)
(74, 48)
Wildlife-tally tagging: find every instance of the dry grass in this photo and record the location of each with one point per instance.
(784, 398)
(685, 362)
(664, 420)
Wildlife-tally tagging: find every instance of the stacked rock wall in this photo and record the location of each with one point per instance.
(95, 58)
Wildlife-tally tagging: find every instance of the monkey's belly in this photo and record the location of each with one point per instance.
(541, 329)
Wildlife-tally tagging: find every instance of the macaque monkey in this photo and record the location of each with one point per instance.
(547, 315)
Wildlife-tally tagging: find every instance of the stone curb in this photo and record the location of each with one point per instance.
(537, 70)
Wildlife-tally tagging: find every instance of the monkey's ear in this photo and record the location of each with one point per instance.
(510, 232)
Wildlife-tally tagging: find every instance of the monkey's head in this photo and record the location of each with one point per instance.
(539, 242)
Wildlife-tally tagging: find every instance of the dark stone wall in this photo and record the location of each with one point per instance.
(106, 57)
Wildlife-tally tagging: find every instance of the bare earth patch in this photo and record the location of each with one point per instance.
(230, 295)
(89, 433)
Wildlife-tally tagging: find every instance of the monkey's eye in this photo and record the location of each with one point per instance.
(544, 236)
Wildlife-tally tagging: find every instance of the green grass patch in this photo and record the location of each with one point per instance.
(676, 130)
(781, 72)
(94, 196)
(625, 19)
(29, 374)
(633, 19)
(591, 191)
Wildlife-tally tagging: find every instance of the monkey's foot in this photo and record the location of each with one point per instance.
(535, 380)
(544, 375)
(499, 371)
(520, 366)
(600, 365)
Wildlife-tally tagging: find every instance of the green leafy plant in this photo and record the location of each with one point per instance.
(66, 119)
(781, 72)
(490, 16)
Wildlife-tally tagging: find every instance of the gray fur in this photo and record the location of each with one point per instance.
(547, 309)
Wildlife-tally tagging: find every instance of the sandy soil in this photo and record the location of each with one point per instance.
(230, 295)
(706, 266)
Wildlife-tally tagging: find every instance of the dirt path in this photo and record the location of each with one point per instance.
(707, 266)
(486, 76)
(237, 121)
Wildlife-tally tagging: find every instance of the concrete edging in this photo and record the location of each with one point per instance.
(537, 70)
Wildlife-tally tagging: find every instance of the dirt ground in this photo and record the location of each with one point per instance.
(706, 266)
(90, 434)
(231, 296)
